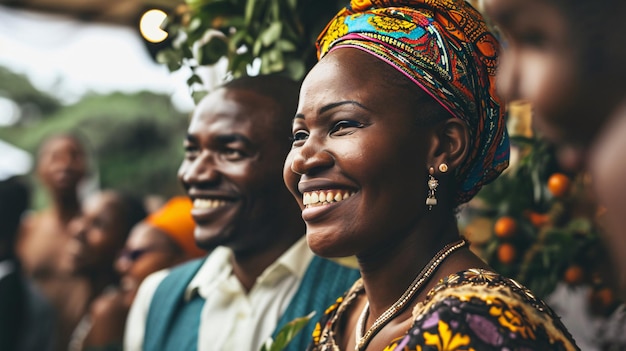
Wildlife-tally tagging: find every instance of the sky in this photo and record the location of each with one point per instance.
(68, 58)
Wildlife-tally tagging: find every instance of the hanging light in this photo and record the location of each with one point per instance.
(150, 26)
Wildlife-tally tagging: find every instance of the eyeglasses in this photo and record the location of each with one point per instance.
(134, 255)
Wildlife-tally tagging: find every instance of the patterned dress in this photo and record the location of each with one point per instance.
(471, 310)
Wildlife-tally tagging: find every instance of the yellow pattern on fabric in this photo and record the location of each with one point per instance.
(444, 340)
(389, 24)
(511, 319)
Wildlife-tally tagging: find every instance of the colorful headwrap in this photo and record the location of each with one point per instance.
(445, 47)
(174, 219)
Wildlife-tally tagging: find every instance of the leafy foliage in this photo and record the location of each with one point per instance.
(33, 103)
(286, 333)
(280, 34)
(549, 231)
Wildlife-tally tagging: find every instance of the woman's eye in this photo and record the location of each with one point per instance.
(300, 135)
(345, 127)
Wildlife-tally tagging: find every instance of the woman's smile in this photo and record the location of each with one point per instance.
(324, 197)
(318, 203)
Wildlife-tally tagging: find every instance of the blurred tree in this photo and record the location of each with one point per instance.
(136, 139)
(539, 224)
(33, 103)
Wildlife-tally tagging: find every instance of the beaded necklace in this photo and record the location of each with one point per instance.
(364, 337)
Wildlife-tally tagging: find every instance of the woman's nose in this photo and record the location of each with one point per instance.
(311, 158)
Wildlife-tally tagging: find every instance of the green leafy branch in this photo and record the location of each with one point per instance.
(276, 36)
(287, 333)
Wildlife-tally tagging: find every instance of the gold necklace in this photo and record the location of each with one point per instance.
(362, 340)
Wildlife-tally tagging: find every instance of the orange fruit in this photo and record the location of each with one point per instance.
(507, 253)
(574, 275)
(505, 227)
(537, 219)
(559, 184)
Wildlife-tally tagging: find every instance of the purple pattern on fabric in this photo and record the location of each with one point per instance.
(484, 329)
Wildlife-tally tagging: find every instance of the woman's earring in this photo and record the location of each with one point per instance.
(431, 200)
(443, 168)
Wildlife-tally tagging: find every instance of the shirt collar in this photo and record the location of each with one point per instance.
(217, 268)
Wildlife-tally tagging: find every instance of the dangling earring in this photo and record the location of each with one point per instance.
(433, 183)
(431, 200)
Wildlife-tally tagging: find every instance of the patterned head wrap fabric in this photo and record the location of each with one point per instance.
(445, 47)
(174, 219)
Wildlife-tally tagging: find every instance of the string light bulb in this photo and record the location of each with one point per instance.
(150, 26)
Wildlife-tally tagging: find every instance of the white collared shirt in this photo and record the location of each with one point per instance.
(230, 319)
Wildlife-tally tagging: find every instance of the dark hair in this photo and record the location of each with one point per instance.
(75, 136)
(14, 201)
(131, 208)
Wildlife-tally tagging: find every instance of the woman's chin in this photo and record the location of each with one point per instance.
(327, 246)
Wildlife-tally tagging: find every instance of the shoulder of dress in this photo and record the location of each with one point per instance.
(481, 284)
(483, 292)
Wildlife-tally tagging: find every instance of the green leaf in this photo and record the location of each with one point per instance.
(286, 45)
(212, 51)
(295, 69)
(256, 49)
(252, 11)
(197, 95)
(194, 79)
(287, 333)
(171, 58)
(271, 34)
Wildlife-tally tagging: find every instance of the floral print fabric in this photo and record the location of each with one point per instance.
(471, 310)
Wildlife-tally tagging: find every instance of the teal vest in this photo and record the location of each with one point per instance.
(172, 323)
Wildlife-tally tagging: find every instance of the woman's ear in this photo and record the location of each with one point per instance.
(450, 143)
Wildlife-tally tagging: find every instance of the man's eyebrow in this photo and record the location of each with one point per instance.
(190, 138)
(333, 105)
(231, 138)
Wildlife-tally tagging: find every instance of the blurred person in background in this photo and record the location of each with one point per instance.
(61, 166)
(567, 58)
(26, 318)
(96, 239)
(164, 239)
(259, 274)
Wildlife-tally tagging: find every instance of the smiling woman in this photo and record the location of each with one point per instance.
(425, 127)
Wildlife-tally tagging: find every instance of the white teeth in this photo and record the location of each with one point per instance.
(208, 203)
(318, 198)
